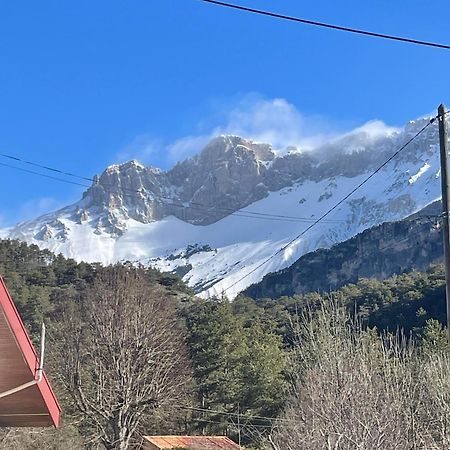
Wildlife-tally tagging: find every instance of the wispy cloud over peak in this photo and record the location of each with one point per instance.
(274, 121)
(143, 148)
(375, 128)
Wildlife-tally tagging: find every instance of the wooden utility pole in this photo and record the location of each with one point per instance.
(443, 141)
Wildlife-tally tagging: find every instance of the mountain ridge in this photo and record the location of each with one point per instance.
(137, 213)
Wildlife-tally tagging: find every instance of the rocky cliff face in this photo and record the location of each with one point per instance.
(227, 175)
(231, 173)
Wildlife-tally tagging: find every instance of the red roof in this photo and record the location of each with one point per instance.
(35, 406)
(189, 442)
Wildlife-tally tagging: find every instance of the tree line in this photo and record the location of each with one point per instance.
(133, 352)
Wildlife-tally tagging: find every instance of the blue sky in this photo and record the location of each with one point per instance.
(85, 84)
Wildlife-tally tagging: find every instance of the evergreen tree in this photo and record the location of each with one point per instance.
(218, 349)
(263, 373)
(434, 338)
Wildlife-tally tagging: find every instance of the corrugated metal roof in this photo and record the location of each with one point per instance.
(192, 442)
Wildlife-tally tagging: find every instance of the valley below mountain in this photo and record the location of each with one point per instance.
(215, 218)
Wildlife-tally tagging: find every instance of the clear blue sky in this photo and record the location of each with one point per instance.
(84, 84)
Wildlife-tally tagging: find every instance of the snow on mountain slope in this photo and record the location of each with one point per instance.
(135, 213)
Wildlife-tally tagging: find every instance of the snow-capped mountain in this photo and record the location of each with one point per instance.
(217, 216)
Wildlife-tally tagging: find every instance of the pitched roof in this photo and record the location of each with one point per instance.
(189, 442)
(35, 406)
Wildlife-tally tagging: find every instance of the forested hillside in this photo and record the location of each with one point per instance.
(40, 281)
(404, 301)
(228, 362)
(238, 363)
(378, 252)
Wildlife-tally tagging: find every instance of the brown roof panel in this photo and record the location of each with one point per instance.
(190, 442)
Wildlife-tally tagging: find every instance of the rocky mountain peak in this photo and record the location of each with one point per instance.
(129, 165)
(229, 174)
(223, 177)
(231, 146)
(232, 172)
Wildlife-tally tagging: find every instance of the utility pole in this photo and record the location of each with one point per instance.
(443, 142)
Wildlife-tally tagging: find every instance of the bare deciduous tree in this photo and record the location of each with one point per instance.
(65, 437)
(122, 354)
(357, 390)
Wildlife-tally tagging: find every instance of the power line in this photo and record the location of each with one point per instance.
(192, 205)
(52, 169)
(225, 413)
(328, 25)
(244, 425)
(320, 219)
(10, 166)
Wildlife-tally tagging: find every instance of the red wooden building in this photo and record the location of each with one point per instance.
(26, 397)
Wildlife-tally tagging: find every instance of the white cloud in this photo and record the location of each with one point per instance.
(187, 146)
(274, 121)
(375, 129)
(358, 139)
(143, 147)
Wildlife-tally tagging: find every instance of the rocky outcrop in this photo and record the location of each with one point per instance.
(227, 175)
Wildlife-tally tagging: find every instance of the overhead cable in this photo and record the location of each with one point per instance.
(328, 25)
(225, 413)
(329, 211)
(133, 193)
